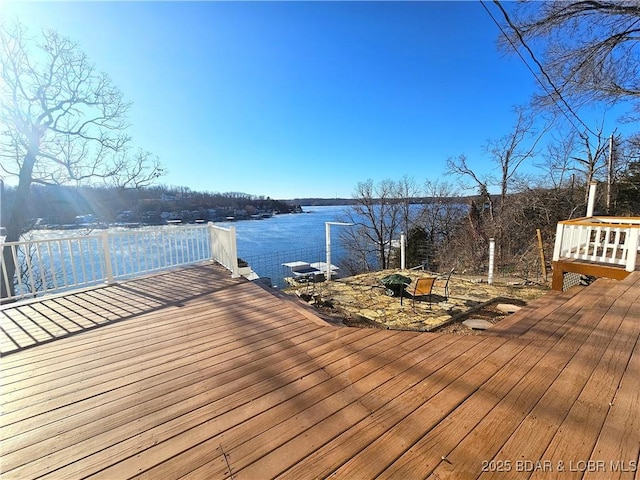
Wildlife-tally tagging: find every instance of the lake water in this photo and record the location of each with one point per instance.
(285, 232)
(267, 244)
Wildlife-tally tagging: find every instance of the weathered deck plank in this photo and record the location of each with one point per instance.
(420, 406)
(390, 403)
(620, 435)
(219, 379)
(108, 372)
(561, 374)
(538, 427)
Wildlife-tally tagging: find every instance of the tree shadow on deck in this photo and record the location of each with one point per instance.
(37, 322)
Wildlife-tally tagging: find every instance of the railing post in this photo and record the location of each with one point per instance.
(557, 247)
(212, 241)
(327, 238)
(104, 236)
(327, 234)
(5, 286)
(591, 199)
(492, 250)
(233, 251)
(631, 245)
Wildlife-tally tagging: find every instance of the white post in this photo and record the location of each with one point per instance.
(233, 252)
(212, 242)
(609, 174)
(592, 198)
(557, 248)
(403, 251)
(492, 249)
(107, 256)
(632, 242)
(327, 234)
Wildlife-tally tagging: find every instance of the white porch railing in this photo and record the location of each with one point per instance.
(606, 240)
(52, 265)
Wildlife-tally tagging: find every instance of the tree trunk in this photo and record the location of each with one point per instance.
(383, 256)
(16, 226)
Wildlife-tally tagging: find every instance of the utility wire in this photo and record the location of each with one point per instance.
(557, 92)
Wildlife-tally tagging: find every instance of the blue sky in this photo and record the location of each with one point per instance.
(299, 99)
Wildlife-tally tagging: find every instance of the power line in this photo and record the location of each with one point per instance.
(557, 92)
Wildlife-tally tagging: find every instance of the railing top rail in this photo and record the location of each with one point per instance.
(625, 222)
(218, 227)
(128, 232)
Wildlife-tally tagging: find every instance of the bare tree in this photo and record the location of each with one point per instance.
(510, 151)
(472, 236)
(628, 195)
(438, 218)
(377, 216)
(460, 167)
(407, 192)
(508, 154)
(590, 48)
(489, 216)
(556, 160)
(593, 160)
(61, 122)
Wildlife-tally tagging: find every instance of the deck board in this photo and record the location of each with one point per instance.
(389, 404)
(421, 405)
(559, 378)
(620, 436)
(265, 420)
(220, 379)
(106, 369)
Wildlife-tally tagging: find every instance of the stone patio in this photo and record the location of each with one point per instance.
(362, 300)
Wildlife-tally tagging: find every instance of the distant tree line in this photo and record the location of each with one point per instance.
(60, 205)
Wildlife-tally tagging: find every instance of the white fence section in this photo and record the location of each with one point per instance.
(607, 240)
(224, 248)
(58, 264)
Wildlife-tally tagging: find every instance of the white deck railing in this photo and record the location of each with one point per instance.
(52, 265)
(606, 240)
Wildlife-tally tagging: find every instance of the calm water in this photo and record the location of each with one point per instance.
(267, 244)
(286, 232)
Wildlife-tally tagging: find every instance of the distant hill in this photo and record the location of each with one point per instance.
(321, 202)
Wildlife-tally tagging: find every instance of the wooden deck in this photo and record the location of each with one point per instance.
(582, 267)
(192, 374)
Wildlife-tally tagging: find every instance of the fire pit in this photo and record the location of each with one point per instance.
(395, 284)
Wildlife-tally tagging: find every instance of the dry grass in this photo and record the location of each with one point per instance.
(361, 300)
